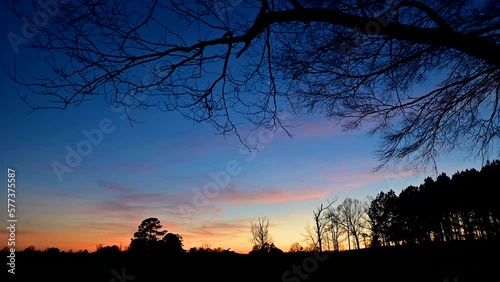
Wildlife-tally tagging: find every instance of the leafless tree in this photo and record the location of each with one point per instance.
(335, 226)
(352, 217)
(356, 62)
(261, 238)
(310, 238)
(321, 224)
(295, 248)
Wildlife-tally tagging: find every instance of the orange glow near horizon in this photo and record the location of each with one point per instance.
(63, 243)
(228, 235)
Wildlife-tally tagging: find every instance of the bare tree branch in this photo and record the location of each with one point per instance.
(356, 62)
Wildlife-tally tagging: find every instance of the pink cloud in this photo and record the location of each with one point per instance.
(130, 208)
(269, 195)
(129, 200)
(310, 128)
(126, 206)
(358, 179)
(218, 229)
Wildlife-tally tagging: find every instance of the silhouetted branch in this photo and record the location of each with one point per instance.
(355, 62)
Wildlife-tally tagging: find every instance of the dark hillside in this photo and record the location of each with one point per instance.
(437, 261)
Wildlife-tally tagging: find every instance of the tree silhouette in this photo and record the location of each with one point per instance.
(30, 249)
(108, 251)
(321, 224)
(149, 230)
(351, 212)
(310, 238)
(335, 226)
(52, 250)
(462, 207)
(381, 214)
(261, 238)
(146, 237)
(295, 248)
(355, 62)
(206, 248)
(172, 243)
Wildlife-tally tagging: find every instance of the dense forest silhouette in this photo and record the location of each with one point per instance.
(443, 230)
(461, 207)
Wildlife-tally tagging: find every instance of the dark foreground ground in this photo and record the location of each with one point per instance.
(453, 262)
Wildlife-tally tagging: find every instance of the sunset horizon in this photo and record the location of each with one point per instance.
(255, 139)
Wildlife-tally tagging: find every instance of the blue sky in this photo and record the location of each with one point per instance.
(157, 167)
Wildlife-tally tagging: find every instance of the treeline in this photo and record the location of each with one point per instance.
(463, 207)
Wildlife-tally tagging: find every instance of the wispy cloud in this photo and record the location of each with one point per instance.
(194, 147)
(230, 195)
(270, 195)
(310, 128)
(219, 229)
(130, 204)
(114, 186)
(352, 179)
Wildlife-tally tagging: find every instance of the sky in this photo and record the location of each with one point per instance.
(200, 185)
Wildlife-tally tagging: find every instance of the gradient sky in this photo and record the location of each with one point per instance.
(160, 168)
